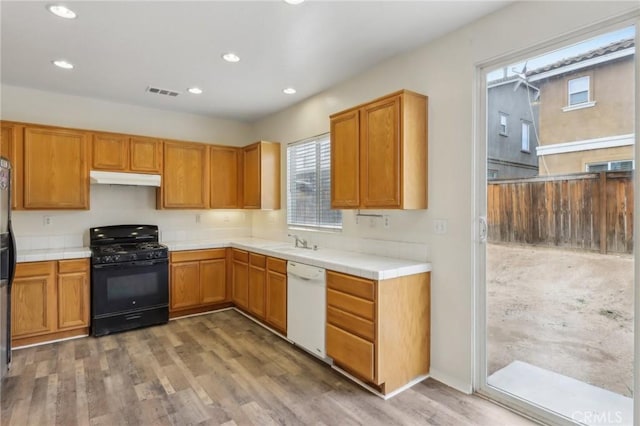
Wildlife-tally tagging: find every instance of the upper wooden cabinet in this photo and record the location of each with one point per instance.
(55, 172)
(124, 153)
(261, 172)
(379, 154)
(226, 177)
(186, 176)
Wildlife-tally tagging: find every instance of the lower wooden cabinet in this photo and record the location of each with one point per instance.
(379, 331)
(276, 294)
(257, 283)
(49, 300)
(240, 278)
(198, 279)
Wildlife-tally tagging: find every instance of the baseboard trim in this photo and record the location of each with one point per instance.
(47, 342)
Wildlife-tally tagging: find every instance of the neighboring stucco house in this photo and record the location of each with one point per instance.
(586, 111)
(512, 117)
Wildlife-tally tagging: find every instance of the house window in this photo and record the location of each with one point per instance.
(579, 90)
(492, 174)
(309, 185)
(606, 166)
(525, 137)
(502, 129)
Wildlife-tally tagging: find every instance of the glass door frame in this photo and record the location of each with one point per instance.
(479, 174)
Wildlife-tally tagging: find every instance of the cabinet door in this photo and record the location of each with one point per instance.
(8, 143)
(252, 174)
(257, 283)
(186, 175)
(345, 160)
(185, 285)
(73, 300)
(33, 299)
(55, 169)
(240, 284)
(110, 152)
(380, 154)
(213, 281)
(146, 155)
(224, 165)
(276, 309)
(351, 352)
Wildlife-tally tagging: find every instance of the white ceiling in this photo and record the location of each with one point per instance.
(119, 48)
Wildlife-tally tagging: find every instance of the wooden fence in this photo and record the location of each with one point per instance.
(589, 211)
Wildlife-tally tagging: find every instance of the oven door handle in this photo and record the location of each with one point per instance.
(130, 264)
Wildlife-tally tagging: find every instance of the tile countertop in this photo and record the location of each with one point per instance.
(52, 254)
(348, 262)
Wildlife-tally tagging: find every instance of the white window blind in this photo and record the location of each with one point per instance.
(579, 90)
(309, 185)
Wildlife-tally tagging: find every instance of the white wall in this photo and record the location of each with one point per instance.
(37, 106)
(444, 70)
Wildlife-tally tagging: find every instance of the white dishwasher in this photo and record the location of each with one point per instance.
(306, 307)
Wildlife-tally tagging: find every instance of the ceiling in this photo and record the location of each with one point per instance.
(119, 48)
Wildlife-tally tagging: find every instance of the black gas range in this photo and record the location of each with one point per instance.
(129, 278)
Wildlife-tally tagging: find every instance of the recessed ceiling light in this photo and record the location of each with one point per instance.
(289, 91)
(293, 1)
(231, 57)
(61, 63)
(62, 11)
(194, 90)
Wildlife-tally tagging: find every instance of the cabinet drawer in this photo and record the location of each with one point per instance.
(75, 265)
(35, 269)
(351, 352)
(277, 265)
(193, 255)
(351, 285)
(257, 260)
(351, 323)
(240, 255)
(353, 305)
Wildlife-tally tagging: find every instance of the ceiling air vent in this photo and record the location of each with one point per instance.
(165, 92)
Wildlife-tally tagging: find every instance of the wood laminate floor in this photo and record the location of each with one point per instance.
(219, 368)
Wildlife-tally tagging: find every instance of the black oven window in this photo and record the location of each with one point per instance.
(131, 286)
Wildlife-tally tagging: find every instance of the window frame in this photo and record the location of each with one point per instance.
(609, 164)
(526, 149)
(569, 92)
(293, 221)
(502, 115)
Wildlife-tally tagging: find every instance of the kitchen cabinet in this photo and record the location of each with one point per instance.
(379, 154)
(185, 177)
(50, 300)
(276, 294)
(198, 279)
(261, 176)
(379, 331)
(55, 167)
(257, 284)
(225, 177)
(240, 278)
(10, 134)
(123, 153)
(73, 294)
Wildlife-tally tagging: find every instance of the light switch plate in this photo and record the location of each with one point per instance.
(440, 226)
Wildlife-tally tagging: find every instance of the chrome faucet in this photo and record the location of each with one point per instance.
(300, 242)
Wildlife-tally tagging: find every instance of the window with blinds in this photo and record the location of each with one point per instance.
(309, 185)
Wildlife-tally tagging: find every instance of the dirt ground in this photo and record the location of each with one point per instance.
(566, 311)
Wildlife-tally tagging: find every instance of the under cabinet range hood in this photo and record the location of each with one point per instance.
(117, 178)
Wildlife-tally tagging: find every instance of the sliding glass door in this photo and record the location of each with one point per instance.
(555, 253)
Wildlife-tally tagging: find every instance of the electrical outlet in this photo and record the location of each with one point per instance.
(46, 220)
(440, 226)
(386, 221)
(198, 218)
(225, 218)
